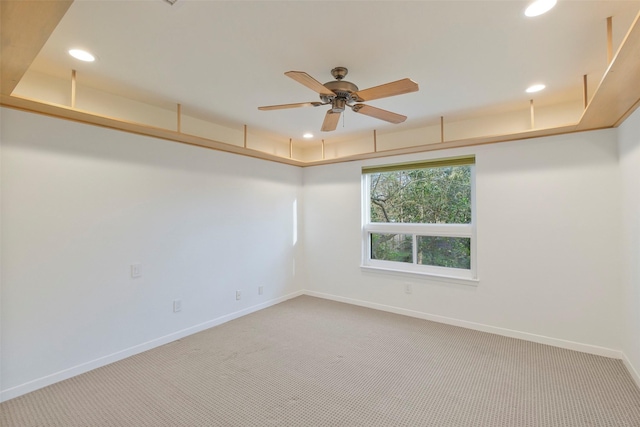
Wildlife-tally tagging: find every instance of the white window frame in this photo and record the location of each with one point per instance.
(437, 230)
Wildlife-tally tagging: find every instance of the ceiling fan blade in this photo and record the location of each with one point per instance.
(389, 89)
(283, 106)
(379, 113)
(305, 79)
(331, 120)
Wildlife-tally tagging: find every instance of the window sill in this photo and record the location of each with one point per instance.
(438, 277)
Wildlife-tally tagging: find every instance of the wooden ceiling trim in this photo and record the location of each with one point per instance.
(469, 142)
(619, 91)
(25, 28)
(68, 113)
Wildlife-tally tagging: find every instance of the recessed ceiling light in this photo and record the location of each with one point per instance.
(535, 88)
(539, 7)
(82, 55)
(307, 135)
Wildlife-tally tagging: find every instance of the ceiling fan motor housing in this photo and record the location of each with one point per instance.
(344, 94)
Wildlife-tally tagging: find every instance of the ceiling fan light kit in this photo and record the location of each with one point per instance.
(341, 94)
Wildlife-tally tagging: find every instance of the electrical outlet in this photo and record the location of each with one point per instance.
(177, 305)
(260, 290)
(136, 270)
(238, 295)
(408, 288)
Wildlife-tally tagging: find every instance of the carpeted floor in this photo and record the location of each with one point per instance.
(312, 362)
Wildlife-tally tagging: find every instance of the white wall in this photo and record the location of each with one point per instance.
(548, 252)
(629, 143)
(81, 203)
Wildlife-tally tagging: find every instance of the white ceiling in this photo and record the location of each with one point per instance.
(223, 59)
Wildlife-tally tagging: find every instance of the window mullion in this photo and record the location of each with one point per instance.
(453, 230)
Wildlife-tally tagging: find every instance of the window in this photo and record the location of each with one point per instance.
(419, 218)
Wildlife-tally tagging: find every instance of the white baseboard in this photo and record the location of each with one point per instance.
(632, 370)
(123, 354)
(541, 339)
(114, 357)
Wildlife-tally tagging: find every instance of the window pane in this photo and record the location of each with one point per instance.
(454, 252)
(392, 247)
(422, 196)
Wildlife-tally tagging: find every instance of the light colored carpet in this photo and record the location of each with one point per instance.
(312, 362)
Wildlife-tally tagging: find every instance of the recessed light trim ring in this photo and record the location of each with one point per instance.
(535, 88)
(539, 7)
(82, 55)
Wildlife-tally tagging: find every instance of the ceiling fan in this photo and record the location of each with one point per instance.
(341, 94)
